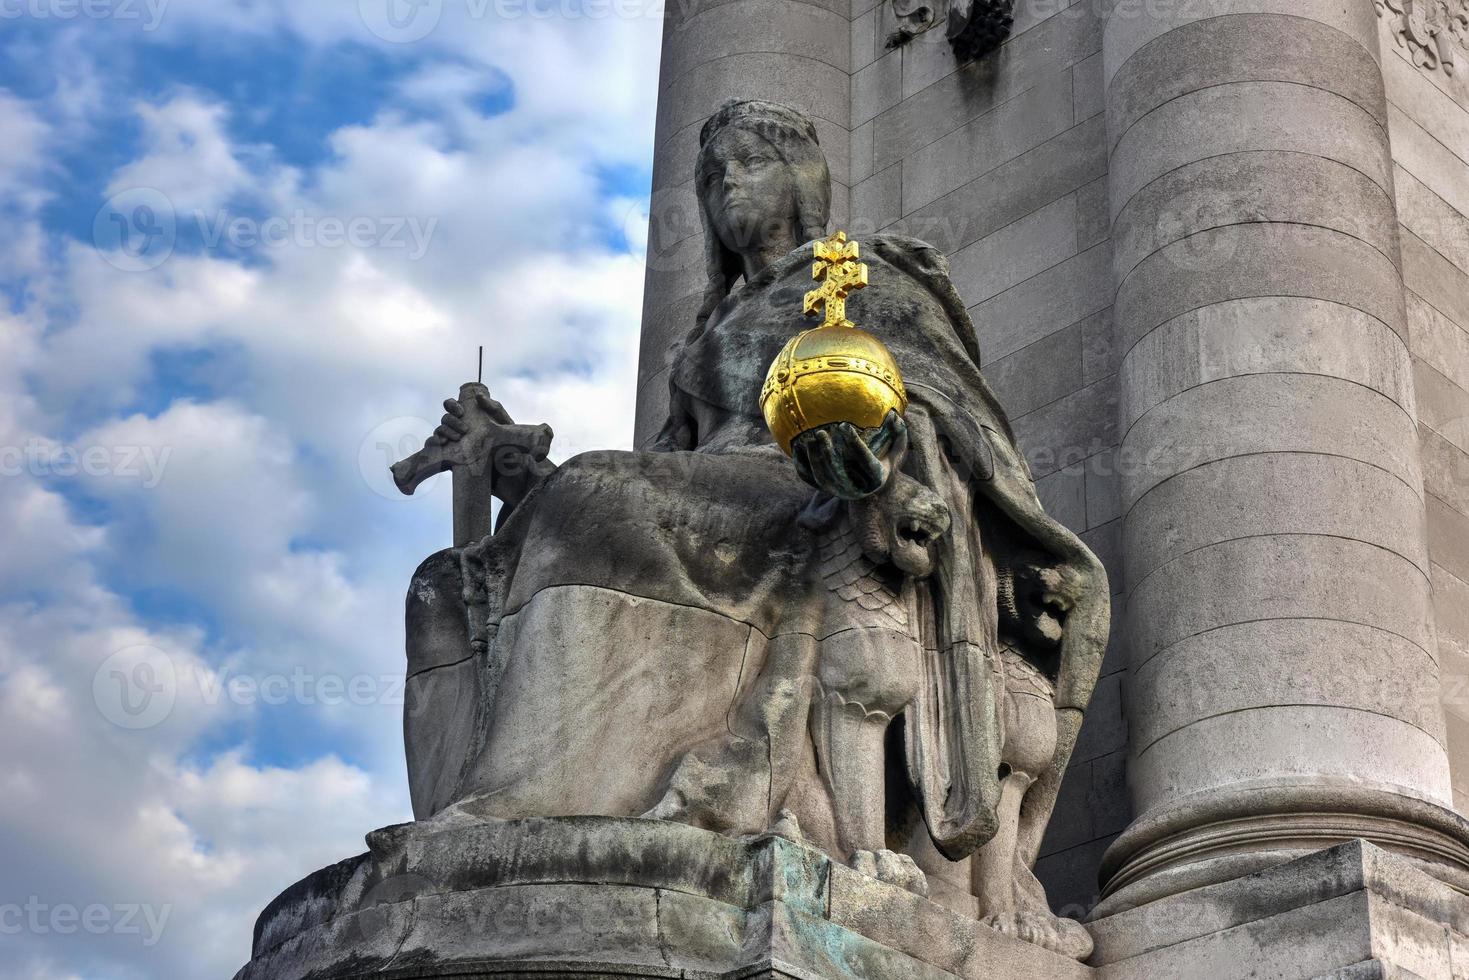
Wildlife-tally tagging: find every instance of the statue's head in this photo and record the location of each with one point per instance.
(762, 183)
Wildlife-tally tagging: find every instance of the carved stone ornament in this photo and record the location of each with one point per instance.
(977, 27)
(914, 17)
(1435, 32)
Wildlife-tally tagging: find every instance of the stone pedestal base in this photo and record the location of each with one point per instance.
(1352, 912)
(584, 897)
(604, 897)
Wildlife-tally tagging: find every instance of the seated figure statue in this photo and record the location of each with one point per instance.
(880, 648)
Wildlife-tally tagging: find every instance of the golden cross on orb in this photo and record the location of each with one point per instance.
(840, 273)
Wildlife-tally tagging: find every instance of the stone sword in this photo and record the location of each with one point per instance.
(488, 448)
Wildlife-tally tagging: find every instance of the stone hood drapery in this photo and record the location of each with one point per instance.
(963, 448)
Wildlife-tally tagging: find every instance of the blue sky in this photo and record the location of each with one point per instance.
(252, 244)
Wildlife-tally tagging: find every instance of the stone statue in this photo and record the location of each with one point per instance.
(881, 648)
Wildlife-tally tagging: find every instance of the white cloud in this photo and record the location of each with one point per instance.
(95, 813)
(264, 516)
(22, 152)
(189, 157)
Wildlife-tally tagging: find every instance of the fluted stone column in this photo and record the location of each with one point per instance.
(1283, 676)
(791, 51)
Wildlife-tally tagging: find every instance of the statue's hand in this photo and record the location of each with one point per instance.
(848, 462)
(453, 427)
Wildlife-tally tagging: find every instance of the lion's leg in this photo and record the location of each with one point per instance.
(865, 677)
(849, 744)
(994, 865)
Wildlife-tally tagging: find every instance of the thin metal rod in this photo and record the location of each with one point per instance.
(481, 378)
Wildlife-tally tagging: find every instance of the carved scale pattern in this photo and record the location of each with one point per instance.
(849, 573)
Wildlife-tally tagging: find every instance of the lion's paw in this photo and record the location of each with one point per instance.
(1065, 936)
(893, 868)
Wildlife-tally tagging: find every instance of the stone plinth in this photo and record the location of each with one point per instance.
(1354, 911)
(611, 897)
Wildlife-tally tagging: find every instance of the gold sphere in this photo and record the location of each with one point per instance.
(830, 374)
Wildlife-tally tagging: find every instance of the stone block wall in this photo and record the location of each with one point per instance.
(1428, 121)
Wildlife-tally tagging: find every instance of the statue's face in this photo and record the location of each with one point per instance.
(747, 189)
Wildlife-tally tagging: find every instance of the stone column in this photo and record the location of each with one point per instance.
(791, 51)
(1283, 677)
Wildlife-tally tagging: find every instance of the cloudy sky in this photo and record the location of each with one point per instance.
(251, 244)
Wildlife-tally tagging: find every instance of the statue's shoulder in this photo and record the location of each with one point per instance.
(914, 256)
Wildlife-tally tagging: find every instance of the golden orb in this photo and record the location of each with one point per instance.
(836, 372)
(830, 374)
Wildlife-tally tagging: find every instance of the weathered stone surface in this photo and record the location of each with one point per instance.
(877, 202)
(1130, 34)
(1035, 243)
(1013, 190)
(1277, 577)
(1258, 260)
(788, 27)
(1245, 46)
(987, 141)
(1283, 413)
(1432, 219)
(1273, 664)
(1090, 92)
(595, 897)
(1272, 335)
(1055, 436)
(1271, 116)
(1031, 310)
(1438, 341)
(1063, 493)
(1424, 156)
(1038, 375)
(1069, 35)
(1448, 537)
(1275, 186)
(1414, 93)
(1093, 803)
(1268, 469)
(1325, 914)
(877, 87)
(1274, 493)
(1436, 279)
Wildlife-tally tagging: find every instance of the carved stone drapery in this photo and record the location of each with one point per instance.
(1435, 32)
